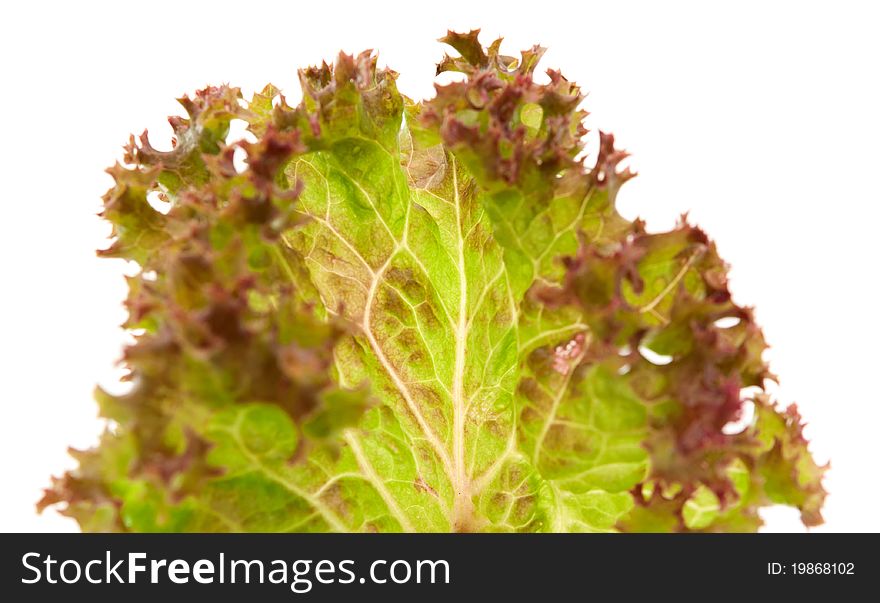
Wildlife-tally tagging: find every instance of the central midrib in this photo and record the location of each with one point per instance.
(461, 482)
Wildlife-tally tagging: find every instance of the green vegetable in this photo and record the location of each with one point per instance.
(429, 316)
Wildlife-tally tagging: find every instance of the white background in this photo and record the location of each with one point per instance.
(760, 119)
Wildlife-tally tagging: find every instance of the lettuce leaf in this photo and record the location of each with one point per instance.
(422, 317)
